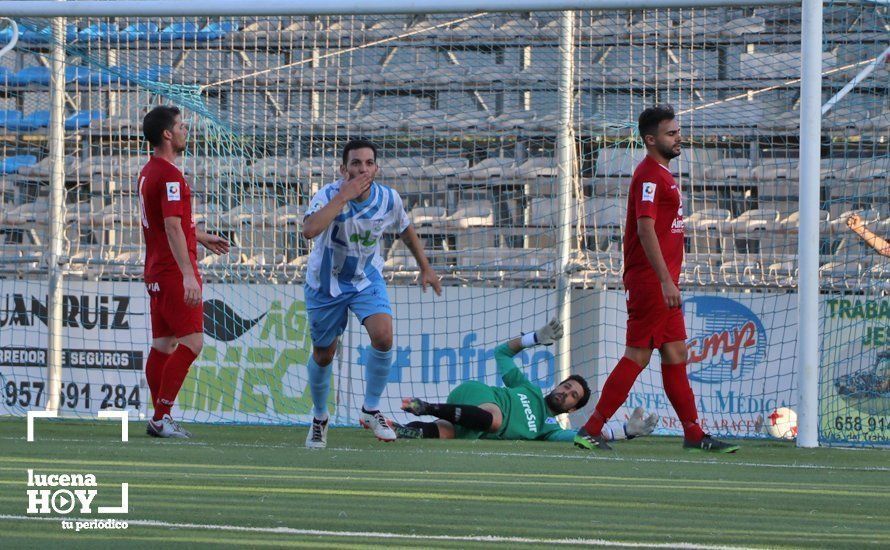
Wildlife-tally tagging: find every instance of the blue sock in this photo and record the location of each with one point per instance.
(319, 385)
(376, 376)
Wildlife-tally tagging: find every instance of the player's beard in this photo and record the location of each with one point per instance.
(668, 152)
(554, 404)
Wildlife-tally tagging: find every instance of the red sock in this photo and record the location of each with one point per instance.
(676, 386)
(154, 371)
(614, 394)
(175, 370)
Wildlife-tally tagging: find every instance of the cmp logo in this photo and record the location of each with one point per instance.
(727, 340)
(223, 324)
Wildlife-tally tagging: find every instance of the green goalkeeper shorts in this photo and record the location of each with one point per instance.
(470, 393)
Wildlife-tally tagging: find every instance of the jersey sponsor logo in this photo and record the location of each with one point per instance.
(678, 225)
(529, 415)
(173, 192)
(649, 191)
(365, 239)
(551, 420)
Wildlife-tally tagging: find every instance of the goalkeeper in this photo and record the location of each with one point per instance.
(518, 411)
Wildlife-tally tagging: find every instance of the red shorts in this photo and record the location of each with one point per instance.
(169, 314)
(649, 321)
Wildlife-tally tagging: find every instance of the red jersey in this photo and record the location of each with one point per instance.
(163, 193)
(653, 194)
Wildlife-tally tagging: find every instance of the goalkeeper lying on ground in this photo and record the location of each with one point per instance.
(518, 411)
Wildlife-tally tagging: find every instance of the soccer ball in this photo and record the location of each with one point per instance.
(782, 423)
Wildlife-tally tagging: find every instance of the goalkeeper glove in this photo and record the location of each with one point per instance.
(637, 425)
(549, 333)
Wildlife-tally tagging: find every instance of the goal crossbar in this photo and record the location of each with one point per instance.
(232, 8)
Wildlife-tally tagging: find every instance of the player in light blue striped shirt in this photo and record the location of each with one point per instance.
(346, 220)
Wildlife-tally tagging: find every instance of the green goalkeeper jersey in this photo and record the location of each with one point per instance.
(522, 404)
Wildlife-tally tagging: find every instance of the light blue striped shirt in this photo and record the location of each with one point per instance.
(346, 256)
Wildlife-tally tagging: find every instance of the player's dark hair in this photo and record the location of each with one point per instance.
(358, 144)
(161, 118)
(585, 389)
(652, 117)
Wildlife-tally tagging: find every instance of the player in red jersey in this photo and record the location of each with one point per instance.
(171, 267)
(653, 255)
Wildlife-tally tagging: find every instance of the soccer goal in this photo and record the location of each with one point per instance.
(509, 130)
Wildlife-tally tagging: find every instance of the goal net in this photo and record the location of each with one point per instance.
(465, 110)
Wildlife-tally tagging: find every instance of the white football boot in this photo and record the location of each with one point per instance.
(166, 427)
(317, 438)
(380, 425)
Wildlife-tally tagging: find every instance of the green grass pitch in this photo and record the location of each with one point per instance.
(258, 487)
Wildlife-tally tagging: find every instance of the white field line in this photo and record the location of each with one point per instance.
(385, 535)
(580, 455)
